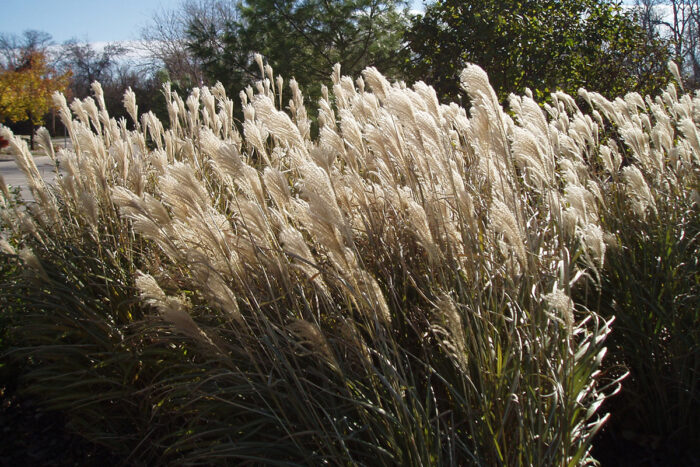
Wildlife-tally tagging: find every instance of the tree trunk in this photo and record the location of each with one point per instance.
(31, 130)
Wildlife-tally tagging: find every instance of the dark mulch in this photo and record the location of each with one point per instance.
(32, 436)
(35, 437)
(615, 448)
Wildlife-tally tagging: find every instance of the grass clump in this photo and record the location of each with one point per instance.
(651, 279)
(412, 286)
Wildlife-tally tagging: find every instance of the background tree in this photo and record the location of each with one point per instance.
(16, 50)
(540, 44)
(301, 39)
(110, 66)
(88, 64)
(215, 41)
(27, 81)
(164, 40)
(678, 21)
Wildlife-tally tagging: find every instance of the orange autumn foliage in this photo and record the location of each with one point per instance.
(25, 91)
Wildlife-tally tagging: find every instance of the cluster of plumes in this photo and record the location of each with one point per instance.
(470, 211)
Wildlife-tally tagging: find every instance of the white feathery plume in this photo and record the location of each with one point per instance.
(582, 203)
(259, 60)
(475, 81)
(218, 292)
(559, 302)
(99, 94)
(352, 136)
(635, 102)
(309, 334)
(418, 223)
(300, 255)
(94, 114)
(192, 113)
(505, 222)
(172, 309)
(298, 109)
(376, 81)
(59, 101)
(592, 239)
(278, 123)
(130, 105)
(638, 190)
(449, 328)
(6, 248)
(30, 259)
(616, 156)
(323, 207)
(638, 142)
(360, 84)
(605, 156)
(3, 190)
(329, 149)
(429, 96)
(673, 68)
(25, 162)
(528, 157)
(427, 128)
(400, 106)
(690, 131)
(373, 296)
(254, 221)
(79, 109)
(255, 137)
(45, 143)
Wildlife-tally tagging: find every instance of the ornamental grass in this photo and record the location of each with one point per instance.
(396, 281)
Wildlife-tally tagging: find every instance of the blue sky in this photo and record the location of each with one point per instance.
(90, 20)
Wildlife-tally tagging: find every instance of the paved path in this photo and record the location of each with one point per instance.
(15, 177)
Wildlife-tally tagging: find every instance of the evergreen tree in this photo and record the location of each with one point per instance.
(302, 39)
